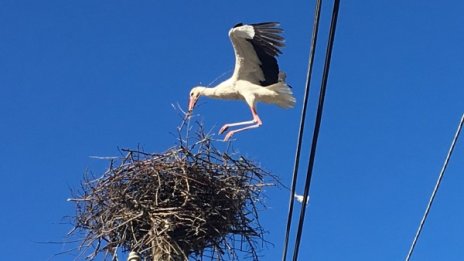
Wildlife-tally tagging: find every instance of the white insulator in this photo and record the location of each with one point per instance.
(133, 256)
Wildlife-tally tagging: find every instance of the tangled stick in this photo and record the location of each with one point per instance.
(188, 202)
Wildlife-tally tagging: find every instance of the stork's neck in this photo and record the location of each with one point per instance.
(209, 92)
(224, 90)
(221, 90)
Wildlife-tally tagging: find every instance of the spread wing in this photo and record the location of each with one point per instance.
(256, 48)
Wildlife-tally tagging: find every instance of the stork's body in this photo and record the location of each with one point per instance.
(256, 76)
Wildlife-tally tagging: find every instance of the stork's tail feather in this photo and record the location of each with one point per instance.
(285, 98)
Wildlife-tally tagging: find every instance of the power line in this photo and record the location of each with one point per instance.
(435, 189)
(325, 74)
(312, 49)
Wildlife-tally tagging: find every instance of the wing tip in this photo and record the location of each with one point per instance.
(268, 36)
(263, 25)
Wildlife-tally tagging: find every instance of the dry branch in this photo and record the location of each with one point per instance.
(188, 202)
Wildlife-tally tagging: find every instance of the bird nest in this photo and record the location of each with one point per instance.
(189, 202)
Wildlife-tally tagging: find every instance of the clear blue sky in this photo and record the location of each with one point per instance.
(82, 78)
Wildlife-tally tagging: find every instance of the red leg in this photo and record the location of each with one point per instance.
(256, 123)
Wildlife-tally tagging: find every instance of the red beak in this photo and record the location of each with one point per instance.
(192, 103)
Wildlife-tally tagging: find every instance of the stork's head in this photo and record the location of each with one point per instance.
(195, 93)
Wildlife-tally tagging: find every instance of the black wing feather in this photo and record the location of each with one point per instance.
(266, 43)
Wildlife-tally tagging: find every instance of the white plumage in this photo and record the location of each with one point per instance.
(256, 77)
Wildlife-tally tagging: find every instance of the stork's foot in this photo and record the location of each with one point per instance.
(223, 129)
(229, 135)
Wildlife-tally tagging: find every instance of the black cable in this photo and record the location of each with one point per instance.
(317, 125)
(317, 12)
(435, 189)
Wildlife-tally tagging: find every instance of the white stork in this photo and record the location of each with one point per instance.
(256, 76)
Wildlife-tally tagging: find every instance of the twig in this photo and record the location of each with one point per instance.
(178, 203)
